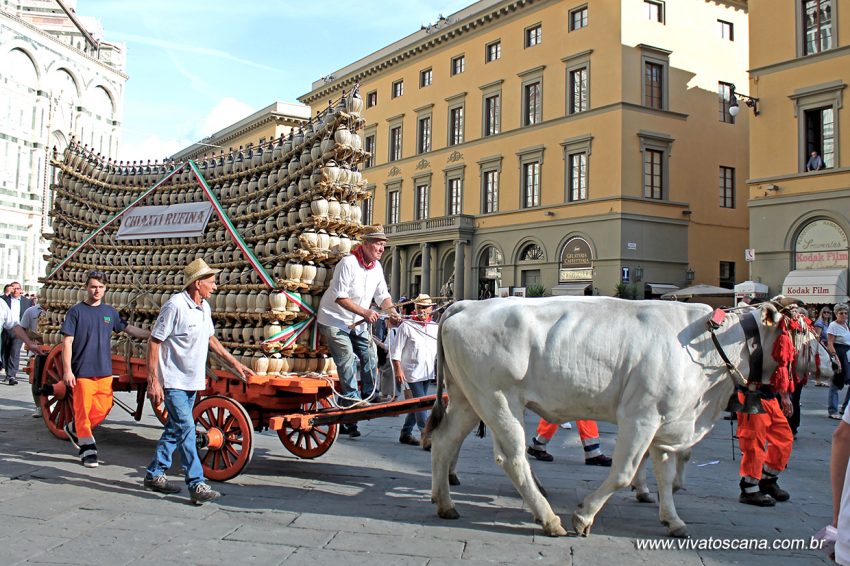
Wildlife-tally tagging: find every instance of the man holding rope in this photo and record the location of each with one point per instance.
(414, 359)
(344, 317)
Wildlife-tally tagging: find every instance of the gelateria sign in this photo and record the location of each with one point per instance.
(821, 244)
(576, 261)
(187, 220)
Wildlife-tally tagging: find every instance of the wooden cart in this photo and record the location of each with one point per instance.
(227, 412)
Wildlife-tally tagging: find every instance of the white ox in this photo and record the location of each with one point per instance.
(648, 366)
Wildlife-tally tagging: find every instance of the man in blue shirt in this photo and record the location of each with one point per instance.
(87, 363)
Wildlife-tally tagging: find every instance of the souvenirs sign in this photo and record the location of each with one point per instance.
(822, 244)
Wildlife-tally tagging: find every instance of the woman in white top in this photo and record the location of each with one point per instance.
(838, 344)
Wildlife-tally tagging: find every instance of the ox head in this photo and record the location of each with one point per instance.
(780, 306)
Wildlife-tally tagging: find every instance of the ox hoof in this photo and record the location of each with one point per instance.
(453, 479)
(581, 527)
(644, 497)
(554, 528)
(449, 513)
(678, 532)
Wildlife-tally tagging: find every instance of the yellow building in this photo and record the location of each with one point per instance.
(800, 219)
(568, 145)
(269, 123)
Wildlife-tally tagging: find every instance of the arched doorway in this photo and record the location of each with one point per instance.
(489, 272)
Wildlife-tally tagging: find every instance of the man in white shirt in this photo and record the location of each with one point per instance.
(11, 343)
(414, 357)
(344, 317)
(12, 326)
(177, 359)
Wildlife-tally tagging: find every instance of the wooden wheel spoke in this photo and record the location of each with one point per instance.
(236, 427)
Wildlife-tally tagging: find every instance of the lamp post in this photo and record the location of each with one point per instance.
(689, 275)
(750, 101)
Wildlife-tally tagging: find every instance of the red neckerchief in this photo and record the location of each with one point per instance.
(423, 320)
(358, 253)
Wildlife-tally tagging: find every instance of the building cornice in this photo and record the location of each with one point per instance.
(468, 20)
(44, 35)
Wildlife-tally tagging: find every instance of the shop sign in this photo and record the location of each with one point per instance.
(820, 290)
(576, 254)
(568, 275)
(822, 244)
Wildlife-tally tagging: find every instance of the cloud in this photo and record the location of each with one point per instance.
(135, 146)
(186, 48)
(226, 112)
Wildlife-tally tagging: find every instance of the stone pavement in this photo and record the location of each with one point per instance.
(367, 501)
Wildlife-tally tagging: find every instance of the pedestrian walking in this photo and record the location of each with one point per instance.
(11, 355)
(414, 358)
(181, 338)
(87, 363)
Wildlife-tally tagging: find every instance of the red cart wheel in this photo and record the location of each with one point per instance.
(310, 443)
(57, 408)
(230, 436)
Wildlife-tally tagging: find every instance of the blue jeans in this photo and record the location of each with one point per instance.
(419, 389)
(351, 351)
(179, 434)
(832, 407)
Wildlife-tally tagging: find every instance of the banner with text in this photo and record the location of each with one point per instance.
(187, 220)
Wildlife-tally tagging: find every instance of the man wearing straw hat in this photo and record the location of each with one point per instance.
(414, 358)
(180, 340)
(344, 317)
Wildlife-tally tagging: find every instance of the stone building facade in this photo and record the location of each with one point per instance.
(572, 146)
(58, 79)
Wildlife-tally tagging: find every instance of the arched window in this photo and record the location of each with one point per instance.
(101, 104)
(531, 252)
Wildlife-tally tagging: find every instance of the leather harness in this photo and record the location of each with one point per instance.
(753, 341)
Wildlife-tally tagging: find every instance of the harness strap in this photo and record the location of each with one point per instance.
(736, 375)
(751, 333)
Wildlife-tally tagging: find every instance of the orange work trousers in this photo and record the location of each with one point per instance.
(92, 402)
(765, 439)
(586, 429)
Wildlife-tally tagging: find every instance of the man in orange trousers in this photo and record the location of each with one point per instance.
(587, 431)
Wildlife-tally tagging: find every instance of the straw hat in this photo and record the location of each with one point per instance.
(198, 269)
(423, 300)
(375, 232)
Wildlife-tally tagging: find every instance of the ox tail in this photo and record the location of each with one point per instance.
(438, 412)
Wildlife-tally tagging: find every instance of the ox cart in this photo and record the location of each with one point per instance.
(228, 412)
(275, 219)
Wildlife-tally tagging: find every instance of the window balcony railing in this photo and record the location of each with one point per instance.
(459, 222)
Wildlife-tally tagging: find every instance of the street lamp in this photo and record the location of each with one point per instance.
(750, 101)
(689, 275)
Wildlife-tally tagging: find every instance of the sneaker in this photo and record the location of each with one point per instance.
(202, 493)
(11, 381)
(37, 413)
(90, 460)
(770, 486)
(162, 485)
(540, 454)
(601, 460)
(408, 439)
(566, 426)
(835, 416)
(72, 435)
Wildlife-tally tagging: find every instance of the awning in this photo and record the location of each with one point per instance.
(816, 285)
(751, 288)
(660, 288)
(571, 289)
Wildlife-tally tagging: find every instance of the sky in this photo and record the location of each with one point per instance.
(196, 66)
